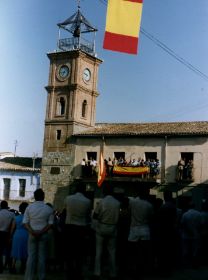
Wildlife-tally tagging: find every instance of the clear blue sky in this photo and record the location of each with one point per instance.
(149, 87)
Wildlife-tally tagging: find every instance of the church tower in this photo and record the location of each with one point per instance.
(71, 102)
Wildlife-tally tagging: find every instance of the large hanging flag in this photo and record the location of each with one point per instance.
(123, 25)
(101, 170)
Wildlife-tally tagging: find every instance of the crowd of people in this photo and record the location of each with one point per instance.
(184, 167)
(89, 167)
(24, 236)
(128, 236)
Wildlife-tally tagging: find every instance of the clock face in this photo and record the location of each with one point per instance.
(64, 71)
(86, 75)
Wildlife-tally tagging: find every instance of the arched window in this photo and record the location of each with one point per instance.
(61, 104)
(84, 108)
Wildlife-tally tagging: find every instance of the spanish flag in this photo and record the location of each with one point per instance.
(101, 170)
(123, 25)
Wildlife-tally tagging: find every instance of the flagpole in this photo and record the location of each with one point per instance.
(102, 169)
(103, 143)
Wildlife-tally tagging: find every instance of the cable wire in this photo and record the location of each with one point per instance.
(169, 50)
(173, 54)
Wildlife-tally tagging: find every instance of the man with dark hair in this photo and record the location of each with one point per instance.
(7, 219)
(38, 219)
(78, 209)
(39, 195)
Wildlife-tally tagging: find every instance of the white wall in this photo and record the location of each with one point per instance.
(31, 184)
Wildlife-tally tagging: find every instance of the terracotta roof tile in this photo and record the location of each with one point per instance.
(147, 129)
(20, 164)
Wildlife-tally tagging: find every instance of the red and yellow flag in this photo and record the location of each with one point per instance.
(101, 170)
(123, 25)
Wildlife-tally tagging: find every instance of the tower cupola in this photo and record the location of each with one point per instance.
(80, 30)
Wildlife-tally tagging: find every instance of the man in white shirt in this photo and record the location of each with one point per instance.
(38, 219)
(107, 215)
(7, 218)
(139, 236)
(93, 164)
(84, 167)
(78, 210)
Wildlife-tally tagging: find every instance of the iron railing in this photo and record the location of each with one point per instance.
(75, 43)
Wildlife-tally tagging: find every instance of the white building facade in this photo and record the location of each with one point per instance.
(18, 182)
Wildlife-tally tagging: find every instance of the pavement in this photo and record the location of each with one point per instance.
(178, 274)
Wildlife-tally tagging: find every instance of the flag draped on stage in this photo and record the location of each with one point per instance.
(101, 170)
(122, 25)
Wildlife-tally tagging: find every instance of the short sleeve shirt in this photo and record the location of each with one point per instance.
(6, 218)
(141, 212)
(38, 215)
(108, 210)
(78, 209)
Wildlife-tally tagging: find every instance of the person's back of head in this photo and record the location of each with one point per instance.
(191, 205)
(80, 187)
(158, 203)
(107, 189)
(39, 195)
(4, 204)
(143, 192)
(22, 207)
(167, 195)
(124, 202)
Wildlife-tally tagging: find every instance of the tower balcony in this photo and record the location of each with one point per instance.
(76, 43)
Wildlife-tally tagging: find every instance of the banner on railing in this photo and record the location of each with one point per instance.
(130, 170)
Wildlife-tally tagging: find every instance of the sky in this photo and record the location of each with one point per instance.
(151, 86)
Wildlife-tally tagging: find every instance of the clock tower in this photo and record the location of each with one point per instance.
(71, 103)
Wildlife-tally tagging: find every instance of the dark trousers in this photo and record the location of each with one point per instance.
(140, 260)
(75, 237)
(3, 245)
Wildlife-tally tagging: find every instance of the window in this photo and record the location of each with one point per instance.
(7, 185)
(58, 134)
(55, 170)
(185, 167)
(151, 155)
(119, 155)
(22, 187)
(91, 164)
(84, 108)
(187, 157)
(61, 104)
(92, 155)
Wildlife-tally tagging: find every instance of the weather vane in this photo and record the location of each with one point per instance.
(78, 4)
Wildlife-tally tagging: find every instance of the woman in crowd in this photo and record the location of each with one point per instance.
(19, 241)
